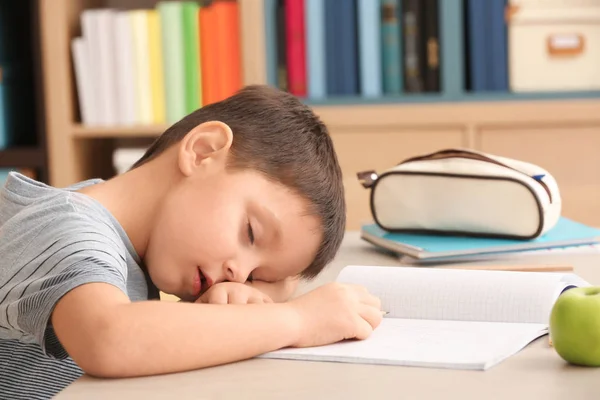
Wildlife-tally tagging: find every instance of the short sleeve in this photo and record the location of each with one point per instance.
(43, 257)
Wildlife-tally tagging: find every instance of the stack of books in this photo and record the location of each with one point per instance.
(155, 66)
(427, 248)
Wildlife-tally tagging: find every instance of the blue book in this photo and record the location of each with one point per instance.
(369, 54)
(498, 76)
(436, 247)
(341, 47)
(391, 46)
(348, 43)
(315, 48)
(478, 45)
(332, 48)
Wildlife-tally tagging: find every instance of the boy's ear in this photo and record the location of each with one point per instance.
(207, 142)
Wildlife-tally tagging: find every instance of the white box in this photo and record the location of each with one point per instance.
(554, 49)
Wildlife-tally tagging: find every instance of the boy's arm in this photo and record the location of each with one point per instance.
(279, 291)
(108, 336)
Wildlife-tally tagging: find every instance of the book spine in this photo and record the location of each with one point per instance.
(281, 59)
(82, 81)
(498, 46)
(369, 35)
(296, 51)
(332, 48)
(191, 45)
(172, 42)
(209, 54)
(431, 42)
(229, 47)
(348, 43)
(315, 48)
(125, 76)
(413, 63)
(157, 84)
(477, 32)
(89, 33)
(143, 90)
(391, 44)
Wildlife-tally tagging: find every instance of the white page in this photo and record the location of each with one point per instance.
(426, 343)
(463, 295)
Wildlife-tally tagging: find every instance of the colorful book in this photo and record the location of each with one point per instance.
(209, 54)
(157, 83)
(281, 41)
(315, 48)
(229, 47)
(498, 77)
(412, 17)
(296, 47)
(341, 48)
(436, 247)
(191, 45)
(369, 44)
(478, 45)
(431, 43)
(141, 51)
(391, 47)
(171, 15)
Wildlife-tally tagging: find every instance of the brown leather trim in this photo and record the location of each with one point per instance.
(454, 153)
(457, 233)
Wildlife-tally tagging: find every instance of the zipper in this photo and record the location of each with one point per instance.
(453, 153)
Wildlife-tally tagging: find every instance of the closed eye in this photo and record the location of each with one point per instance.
(250, 233)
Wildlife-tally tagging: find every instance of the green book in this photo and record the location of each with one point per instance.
(191, 40)
(172, 36)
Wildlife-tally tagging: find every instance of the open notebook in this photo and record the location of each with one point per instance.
(460, 319)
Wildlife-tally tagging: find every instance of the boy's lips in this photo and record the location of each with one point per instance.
(201, 282)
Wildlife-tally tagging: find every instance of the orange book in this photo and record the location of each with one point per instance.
(209, 51)
(227, 35)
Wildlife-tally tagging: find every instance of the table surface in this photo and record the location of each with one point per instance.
(536, 372)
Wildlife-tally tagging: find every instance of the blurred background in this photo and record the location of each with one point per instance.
(86, 85)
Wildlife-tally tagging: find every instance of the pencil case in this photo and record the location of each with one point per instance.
(464, 192)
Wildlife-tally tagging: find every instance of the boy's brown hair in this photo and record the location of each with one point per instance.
(277, 135)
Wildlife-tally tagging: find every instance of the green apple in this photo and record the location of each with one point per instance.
(575, 326)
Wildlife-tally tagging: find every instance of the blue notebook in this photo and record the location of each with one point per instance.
(432, 247)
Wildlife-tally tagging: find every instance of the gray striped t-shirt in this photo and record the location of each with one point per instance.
(51, 241)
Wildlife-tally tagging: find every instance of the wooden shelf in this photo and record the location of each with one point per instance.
(22, 157)
(367, 134)
(96, 132)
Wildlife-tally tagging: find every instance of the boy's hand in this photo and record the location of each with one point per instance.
(279, 291)
(233, 293)
(335, 312)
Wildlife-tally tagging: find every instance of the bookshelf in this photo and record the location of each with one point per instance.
(368, 133)
(26, 149)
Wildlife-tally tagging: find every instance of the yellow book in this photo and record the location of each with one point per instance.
(139, 22)
(157, 82)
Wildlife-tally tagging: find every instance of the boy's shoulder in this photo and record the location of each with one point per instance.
(23, 199)
(31, 211)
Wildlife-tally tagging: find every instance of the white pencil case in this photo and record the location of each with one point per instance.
(464, 192)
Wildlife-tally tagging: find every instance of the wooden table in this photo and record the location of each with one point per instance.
(536, 372)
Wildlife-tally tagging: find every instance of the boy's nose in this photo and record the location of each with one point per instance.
(232, 272)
